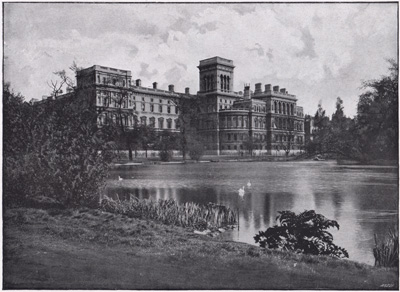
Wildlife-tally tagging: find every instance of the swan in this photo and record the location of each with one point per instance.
(241, 192)
(120, 178)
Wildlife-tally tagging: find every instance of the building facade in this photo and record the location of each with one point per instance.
(265, 121)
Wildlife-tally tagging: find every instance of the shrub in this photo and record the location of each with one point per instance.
(166, 155)
(196, 151)
(386, 253)
(303, 233)
(64, 156)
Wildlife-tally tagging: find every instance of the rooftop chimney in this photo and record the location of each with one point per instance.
(171, 87)
(276, 88)
(283, 90)
(155, 85)
(138, 82)
(247, 93)
(268, 87)
(258, 88)
(187, 90)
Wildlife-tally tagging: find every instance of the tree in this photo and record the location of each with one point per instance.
(304, 233)
(168, 141)
(377, 117)
(188, 108)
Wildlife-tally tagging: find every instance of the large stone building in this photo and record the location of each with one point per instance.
(264, 121)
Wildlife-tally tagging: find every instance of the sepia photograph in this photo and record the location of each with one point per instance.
(200, 146)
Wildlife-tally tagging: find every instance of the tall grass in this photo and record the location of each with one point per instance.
(386, 252)
(170, 212)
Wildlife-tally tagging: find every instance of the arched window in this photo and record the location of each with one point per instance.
(222, 82)
(169, 123)
(288, 111)
(284, 109)
(160, 123)
(227, 80)
(143, 120)
(280, 108)
(291, 109)
(256, 123)
(276, 108)
(152, 122)
(177, 124)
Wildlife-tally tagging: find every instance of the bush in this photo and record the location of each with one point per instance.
(166, 155)
(387, 252)
(64, 156)
(303, 233)
(196, 151)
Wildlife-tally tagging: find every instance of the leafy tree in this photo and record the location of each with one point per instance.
(377, 118)
(188, 108)
(303, 233)
(167, 142)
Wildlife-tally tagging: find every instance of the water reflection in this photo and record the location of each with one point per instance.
(363, 200)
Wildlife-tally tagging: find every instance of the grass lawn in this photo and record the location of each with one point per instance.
(92, 249)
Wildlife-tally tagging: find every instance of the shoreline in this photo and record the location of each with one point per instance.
(93, 249)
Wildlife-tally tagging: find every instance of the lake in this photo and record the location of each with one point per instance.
(363, 199)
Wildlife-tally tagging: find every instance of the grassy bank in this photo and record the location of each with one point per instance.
(92, 249)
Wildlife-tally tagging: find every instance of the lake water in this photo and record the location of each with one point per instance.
(363, 199)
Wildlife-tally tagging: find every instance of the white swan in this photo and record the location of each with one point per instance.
(241, 192)
(120, 178)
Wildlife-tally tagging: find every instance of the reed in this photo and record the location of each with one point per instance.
(170, 212)
(386, 252)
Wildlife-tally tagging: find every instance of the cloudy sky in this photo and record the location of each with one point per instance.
(316, 51)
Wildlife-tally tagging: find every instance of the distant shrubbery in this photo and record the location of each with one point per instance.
(304, 233)
(170, 212)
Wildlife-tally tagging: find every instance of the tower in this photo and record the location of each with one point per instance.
(216, 75)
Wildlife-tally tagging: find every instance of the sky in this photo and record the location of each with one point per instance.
(316, 51)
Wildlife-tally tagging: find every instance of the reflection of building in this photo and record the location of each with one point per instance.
(232, 122)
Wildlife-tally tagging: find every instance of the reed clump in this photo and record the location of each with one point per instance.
(190, 214)
(386, 252)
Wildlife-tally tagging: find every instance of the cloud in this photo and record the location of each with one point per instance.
(309, 42)
(316, 51)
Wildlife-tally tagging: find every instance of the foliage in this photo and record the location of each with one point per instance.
(167, 142)
(65, 156)
(386, 253)
(377, 118)
(196, 149)
(303, 233)
(170, 212)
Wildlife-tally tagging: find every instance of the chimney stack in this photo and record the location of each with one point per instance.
(138, 82)
(187, 90)
(258, 88)
(276, 88)
(171, 87)
(283, 90)
(268, 87)
(154, 85)
(247, 93)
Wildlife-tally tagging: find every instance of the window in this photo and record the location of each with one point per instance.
(235, 147)
(169, 101)
(152, 122)
(160, 100)
(169, 123)
(176, 110)
(161, 123)
(168, 109)
(229, 147)
(152, 100)
(235, 137)
(99, 100)
(151, 107)
(143, 120)
(160, 108)
(142, 98)
(143, 106)
(123, 83)
(104, 80)
(229, 137)
(177, 124)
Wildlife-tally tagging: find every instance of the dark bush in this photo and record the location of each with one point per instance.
(166, 155)
(303, 233)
